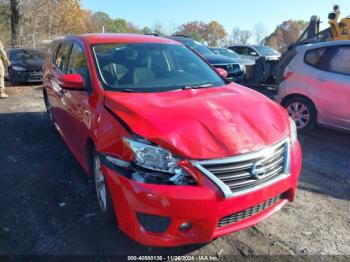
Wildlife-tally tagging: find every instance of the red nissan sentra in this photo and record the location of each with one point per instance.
(179, 155)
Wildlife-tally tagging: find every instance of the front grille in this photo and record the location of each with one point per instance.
(249, 171)
(35, 76)
(234, 218)
(35, 73)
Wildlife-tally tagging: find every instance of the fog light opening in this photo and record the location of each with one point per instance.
(185, 226)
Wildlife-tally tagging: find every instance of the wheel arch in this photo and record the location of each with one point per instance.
(291, 96)
(295, 95)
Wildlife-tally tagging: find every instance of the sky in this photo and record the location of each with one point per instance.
(230, 13)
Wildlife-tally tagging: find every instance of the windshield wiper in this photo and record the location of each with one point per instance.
(126, 90)
(197, 86)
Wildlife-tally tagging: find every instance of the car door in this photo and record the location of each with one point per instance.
(78, 111)
(237, 49)
(330, 85)
(250, 53)
(57, 69)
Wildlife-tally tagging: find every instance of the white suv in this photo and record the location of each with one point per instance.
(316, 86)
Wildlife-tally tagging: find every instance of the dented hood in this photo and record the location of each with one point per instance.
(204, 123)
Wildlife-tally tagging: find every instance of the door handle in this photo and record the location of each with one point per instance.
(321, 78)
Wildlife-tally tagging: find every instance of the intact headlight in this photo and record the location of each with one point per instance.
(293, 131)
(18, 68)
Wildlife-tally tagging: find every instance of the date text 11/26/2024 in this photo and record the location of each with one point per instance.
(173, 258)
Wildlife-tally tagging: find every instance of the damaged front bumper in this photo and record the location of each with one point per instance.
(167, 215)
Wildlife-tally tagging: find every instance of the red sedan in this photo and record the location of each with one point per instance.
(179, 154)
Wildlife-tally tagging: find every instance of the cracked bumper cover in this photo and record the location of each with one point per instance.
(204, 206)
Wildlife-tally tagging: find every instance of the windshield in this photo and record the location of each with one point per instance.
(27, 54)
(199, 47)
(226, 52)
(267, 51)
(150, 67)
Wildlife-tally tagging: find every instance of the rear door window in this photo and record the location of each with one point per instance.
(340, 62)
(61, 59)
(237, 49)
(249, 51)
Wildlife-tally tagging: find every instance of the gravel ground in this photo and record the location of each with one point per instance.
(48, 205)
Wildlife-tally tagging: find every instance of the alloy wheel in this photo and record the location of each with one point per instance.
(299, 113)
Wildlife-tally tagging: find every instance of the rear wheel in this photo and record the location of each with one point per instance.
(303, 112)
(102, 191)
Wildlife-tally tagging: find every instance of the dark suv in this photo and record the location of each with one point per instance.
(236, 71)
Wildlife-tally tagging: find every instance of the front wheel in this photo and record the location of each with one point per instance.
(49, 111)
(303, 112)
(103, 194)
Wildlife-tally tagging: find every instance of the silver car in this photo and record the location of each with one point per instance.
(316, 86)
(256, 51)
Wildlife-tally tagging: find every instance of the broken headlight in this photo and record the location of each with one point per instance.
(153, 164)
(152, 157)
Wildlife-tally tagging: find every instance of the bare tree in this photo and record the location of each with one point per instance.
(16, 15)
(244, 37)
(234, 38)
(259, 32)
(240, 37)
(164, 28)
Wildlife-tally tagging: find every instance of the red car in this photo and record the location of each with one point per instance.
(179, 154)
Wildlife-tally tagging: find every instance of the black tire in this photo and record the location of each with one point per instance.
(307, 107)
(106, 205)
(13, 79)
(49, 111)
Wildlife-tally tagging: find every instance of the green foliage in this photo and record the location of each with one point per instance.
(147, 30)
(120, 25)
(100, 20)
(213, 33)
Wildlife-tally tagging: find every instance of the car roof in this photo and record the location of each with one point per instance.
(324, 44)
(252, 46)
(217, 48)
(178, 37)
(22, 49)
(16, 50)
(121, 38)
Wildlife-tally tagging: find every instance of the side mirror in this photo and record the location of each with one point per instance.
(253, 53)
(72, 81)
(222, 72)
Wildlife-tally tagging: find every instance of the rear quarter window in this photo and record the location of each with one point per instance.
(318, 58)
